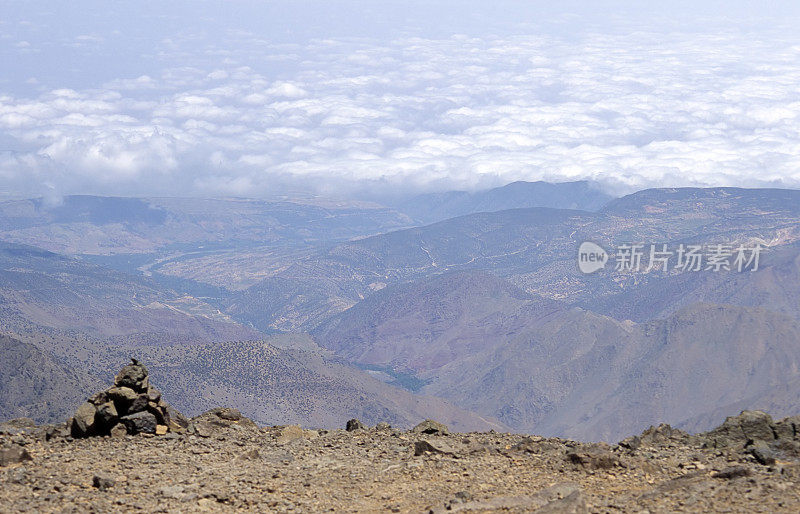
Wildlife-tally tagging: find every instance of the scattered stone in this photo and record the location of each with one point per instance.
(57, 431)
(103, 482)
(14, 455)
(574, 503)
(252, 454)
(655, 435)
(431, 427)
(354, 424)
(16, 426)
(383, 426)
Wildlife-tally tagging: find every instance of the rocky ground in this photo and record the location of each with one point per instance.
(222, 461)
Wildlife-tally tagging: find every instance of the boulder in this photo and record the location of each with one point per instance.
(119, 431)
(738, 430)
(83, 422)
(107, 415)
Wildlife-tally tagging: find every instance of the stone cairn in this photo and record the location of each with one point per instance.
(131, 407)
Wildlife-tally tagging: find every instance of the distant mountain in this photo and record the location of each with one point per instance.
(34, 385)
(533, 248)
(421, 326)
(433, 207)
(115, 225)
(49, 290)
(543, 367)
(776, 287)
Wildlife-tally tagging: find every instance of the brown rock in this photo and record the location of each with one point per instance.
(290, 433)
(83, 422)
(431, 427)
(119, 431)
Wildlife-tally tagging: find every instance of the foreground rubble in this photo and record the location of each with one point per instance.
(100, 461)
(225, 462)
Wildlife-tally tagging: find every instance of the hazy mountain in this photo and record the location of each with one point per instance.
(433, 207)
(535, 249)
(420, 326)
(33, 384)
(50, 290)
(541, 366)
(775, 286)
(104, 226)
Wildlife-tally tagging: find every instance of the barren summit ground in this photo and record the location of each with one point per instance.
(225, 462)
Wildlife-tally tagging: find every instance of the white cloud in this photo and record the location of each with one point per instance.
(238, 114)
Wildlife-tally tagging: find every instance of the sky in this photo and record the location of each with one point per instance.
(360, 98)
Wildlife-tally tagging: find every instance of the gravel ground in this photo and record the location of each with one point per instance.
(224, 465)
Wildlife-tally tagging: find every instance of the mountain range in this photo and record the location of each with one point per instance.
(481, 316)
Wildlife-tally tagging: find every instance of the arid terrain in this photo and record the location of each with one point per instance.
(127, 449)
(231, 464)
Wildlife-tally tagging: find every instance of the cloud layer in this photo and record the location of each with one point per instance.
(242, 113)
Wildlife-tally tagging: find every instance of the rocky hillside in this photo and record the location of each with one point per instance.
(542, 366)
(35, 385)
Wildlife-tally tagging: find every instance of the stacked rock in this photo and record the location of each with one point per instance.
(132, 406)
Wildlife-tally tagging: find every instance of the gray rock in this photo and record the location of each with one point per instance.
(757, 425)
(139, 404)
(733, 472)
(153, 394)
(227, 414)
(423, 447)
(134, 376)
(140, 423)
(122, 397)
(762, 452)
(107, 415)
